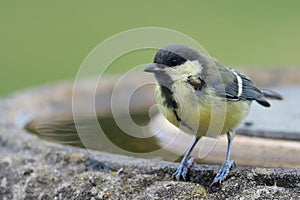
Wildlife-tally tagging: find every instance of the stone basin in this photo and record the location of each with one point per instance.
(36, 166)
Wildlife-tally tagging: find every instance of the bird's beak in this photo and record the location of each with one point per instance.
(152, 68)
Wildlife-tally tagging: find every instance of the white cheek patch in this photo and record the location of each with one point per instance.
(194, 66)
(181, 72)
(190, 67)
(240, 83)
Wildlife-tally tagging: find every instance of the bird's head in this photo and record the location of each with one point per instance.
(176, 62)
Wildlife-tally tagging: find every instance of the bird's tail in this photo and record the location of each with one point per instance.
(271, 94)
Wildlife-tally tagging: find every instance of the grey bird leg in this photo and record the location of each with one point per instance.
(185, 163)
(224, 170)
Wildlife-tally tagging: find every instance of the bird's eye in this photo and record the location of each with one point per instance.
(174, 61)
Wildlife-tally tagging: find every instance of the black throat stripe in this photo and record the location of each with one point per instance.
(169, 100)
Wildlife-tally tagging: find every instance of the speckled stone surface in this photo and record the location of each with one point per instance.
(32, 168)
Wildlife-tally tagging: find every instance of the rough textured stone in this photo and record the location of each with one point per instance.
(32, 168)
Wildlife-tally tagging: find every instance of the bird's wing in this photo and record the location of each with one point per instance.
(234, 86)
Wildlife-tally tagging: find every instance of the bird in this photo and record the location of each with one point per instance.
(203, 97)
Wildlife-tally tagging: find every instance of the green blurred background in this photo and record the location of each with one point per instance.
(44, 41)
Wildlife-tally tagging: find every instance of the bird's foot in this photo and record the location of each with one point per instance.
(223, 172)
(182, 169)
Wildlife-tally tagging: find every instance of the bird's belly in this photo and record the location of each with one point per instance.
(210, 118)
(215, 120)
(211, 121)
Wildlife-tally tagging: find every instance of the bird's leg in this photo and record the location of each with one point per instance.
(224, 170)
(185, 163)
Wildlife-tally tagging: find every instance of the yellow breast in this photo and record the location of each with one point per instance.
(204, 115)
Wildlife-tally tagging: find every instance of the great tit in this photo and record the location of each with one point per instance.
(201, 96)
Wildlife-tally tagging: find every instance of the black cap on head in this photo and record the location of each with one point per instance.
(175, 54)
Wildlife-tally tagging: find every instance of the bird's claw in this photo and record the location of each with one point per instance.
(223, 172)
(182, 169)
